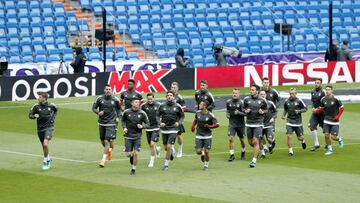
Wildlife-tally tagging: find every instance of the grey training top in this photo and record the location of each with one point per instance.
(293, 108)
(151, 111)
(254, 118)
(235, 113)
(131, 119)
(202, 119)
(111, 107)
(170, 113)
(128, 96)
(47, 113)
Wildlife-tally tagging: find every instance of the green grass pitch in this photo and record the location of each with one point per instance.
(76, 150)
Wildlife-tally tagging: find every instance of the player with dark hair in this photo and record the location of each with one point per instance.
(293, 108)
(133, 121)
(235, 114)
(316, 118)
(332, 109)
(204, 121)
(269, 119)
(45, 114)
(170, 115)
(180, 100)
(107, 107)
(128, 95)
(271, 93)
(204, 94)
(255, 108)
(150, 107)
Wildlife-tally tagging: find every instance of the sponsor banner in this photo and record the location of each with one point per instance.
(280, 74)
(92, 84)
(90, 67)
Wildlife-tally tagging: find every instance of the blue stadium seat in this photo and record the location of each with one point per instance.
(15, 59)
(40, 58)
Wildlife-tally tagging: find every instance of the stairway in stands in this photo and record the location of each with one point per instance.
(94, 22)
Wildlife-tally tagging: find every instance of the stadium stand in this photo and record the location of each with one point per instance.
(35, 31)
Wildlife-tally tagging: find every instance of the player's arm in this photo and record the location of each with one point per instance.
(341, 110)
(274, 109)
(212, 102)
(123, 122)
(228, 112)
(320, 109)
(158, 116)
(285, 111)
(55, 112)
(181, 115)
(96, 106)
(303, 107)
(194, 123)
(146, 121)
(263, 107)
(277, 98)
(197, 102)
(215, 123)
(242, 110)
(118, 109)
(182, 103)
(33, 113)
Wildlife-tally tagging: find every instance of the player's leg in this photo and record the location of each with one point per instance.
(129, 148)
(329, 149)
(207, 147)
(135, 154)
(270, 139)
(313, 123)
(102, 132)
(180, 140)
(249, 134)
(335, 135)
(256, 150)
(262, 144)
(45, 137)
(256, 134)
(241, 135)
(231, 134)
(152, 147)
(263, 141)
(300, 136)
(170, 140)
(327, 132)
(45, 146)
(289, 131)
(105, 153)
(111, 134)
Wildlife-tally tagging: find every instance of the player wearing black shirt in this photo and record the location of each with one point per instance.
(332, 109)
(204, 121)
(45, 114)
(235, 114)
(293, 108)
(316, 118)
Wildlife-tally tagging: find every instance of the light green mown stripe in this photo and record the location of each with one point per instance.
(25, 187)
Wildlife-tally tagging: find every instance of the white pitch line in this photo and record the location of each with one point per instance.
(123, 159)
(57, 104)
(37, 155)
